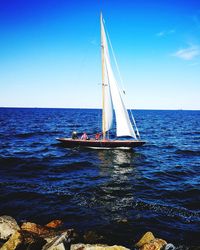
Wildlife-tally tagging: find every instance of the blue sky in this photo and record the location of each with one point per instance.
(50, 52)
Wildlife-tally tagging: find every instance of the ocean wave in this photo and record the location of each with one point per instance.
(31, 134)
(10, 161)
(74, 166)
(179, 212)
(188, 152)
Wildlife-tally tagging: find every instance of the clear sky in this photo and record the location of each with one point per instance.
(50, 52)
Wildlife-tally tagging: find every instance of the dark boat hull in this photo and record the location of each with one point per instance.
(68, 142)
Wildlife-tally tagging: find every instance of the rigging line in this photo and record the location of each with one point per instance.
(137, 131)
(115, 60)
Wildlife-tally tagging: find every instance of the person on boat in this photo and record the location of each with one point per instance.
(97, 136)
(74, 135)
(84, 136)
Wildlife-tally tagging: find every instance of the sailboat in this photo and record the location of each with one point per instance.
(112, 102)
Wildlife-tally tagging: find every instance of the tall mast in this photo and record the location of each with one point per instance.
(103, 81)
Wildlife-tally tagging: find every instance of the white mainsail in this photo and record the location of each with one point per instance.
(108, 104)
(113, 97)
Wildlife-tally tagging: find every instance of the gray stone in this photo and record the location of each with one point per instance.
(59, 242)
(170, 246)
(8, 226)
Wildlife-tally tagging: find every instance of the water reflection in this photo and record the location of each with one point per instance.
(118, 157)
(115, 196)
(117, 162)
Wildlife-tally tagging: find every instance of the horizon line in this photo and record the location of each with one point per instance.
(32, 107)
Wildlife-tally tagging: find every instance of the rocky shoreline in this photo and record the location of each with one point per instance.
(52, 236)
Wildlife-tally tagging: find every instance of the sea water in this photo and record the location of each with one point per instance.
(119, 194)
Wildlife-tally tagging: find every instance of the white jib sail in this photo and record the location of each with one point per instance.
(123, 126)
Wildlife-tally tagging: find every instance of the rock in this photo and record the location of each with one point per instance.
(24, 240)
(54, 224)
(32, 241)
(61, 246)
(161, 242)
(91, 237)
(14, 241)
(150, 246)
(96, 247)
(8, 226)
(59, 242)
(1, 243)
(42, 231)
(35, 228)
(155, 244)
(149, 242)
(170, 246)
(56, 240)
(64, 236)
(146, 238)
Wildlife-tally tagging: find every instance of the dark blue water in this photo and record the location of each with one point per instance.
(119, 194)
